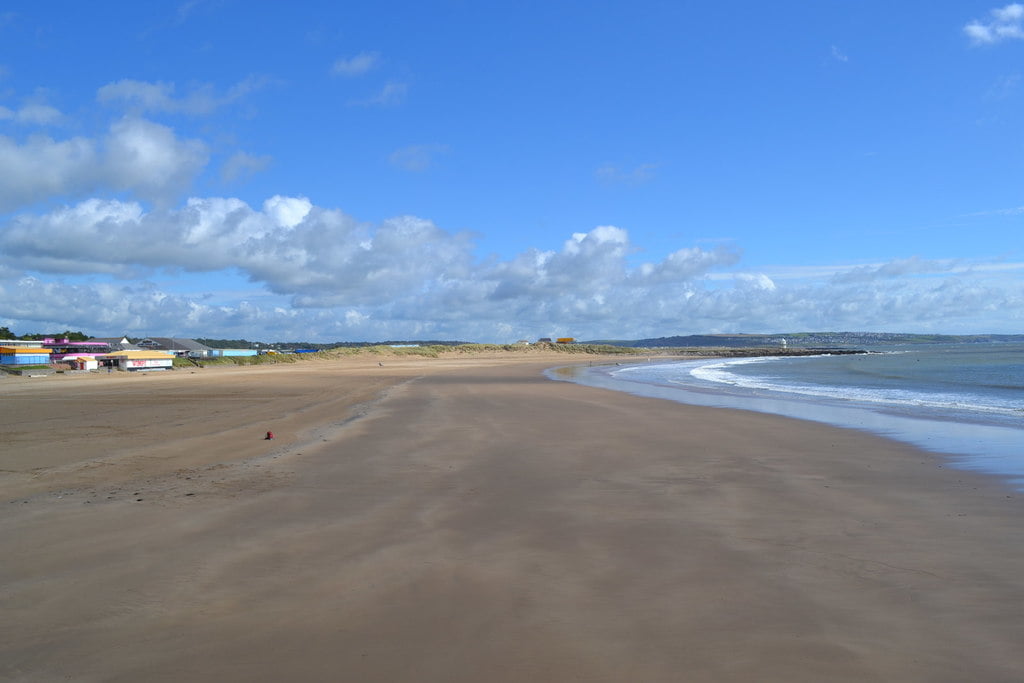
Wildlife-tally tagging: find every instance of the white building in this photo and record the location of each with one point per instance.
(139, 360)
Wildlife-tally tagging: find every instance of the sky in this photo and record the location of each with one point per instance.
(496, 171)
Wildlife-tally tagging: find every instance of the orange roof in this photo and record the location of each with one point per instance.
(6, 350)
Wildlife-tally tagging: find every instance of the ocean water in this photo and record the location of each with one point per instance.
(965, 401)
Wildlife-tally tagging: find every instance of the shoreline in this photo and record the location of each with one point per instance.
(989, 447)
(474, 520)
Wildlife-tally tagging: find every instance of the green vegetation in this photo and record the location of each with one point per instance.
(269, 359)
(37, 336)
(439, 350)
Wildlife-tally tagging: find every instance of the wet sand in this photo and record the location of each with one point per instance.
(470, 520)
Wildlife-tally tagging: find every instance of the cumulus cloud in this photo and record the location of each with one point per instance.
(355, 66)
(1004, 23)
(41, 167)
(755, 281)
(686, 264)
(135, 155)
(319, 256)
(136, 308)
(287, 211)
(402, 269)
(319, 274)
(149, 159)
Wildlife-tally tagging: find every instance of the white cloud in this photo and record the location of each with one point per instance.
(143, 96)
(756, 281)
(638, 175)
(149, 159)
(390, 95)
(319, 274)
(416, 158)
(32, 114)
(687, 263)
(838, 55)
(240, 166)
(404, 269)
(1005, 24)
(152, 96)
(135, 155)
(355, 66)
(41, 167)
(895, 269)
(287, 212)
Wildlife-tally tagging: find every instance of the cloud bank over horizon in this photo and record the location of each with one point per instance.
(120, 215)
(319, 274)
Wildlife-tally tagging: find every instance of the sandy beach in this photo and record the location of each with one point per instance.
(470, 520)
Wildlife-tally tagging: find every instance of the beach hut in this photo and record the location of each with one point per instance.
(133, 361)
(24, 355)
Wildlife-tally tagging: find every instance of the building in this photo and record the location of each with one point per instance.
(115, 343)
(21, 343)
(64, 348)
(24, 355)
(81, 361)
(132, 361)
(176, 346)
(231, 353)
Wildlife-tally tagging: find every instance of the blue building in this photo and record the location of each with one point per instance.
(24, 355)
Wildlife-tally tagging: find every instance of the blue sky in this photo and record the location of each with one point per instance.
(497, 171)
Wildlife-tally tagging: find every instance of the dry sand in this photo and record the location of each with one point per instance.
(469, 520)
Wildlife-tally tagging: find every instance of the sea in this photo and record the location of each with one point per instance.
(964, 401)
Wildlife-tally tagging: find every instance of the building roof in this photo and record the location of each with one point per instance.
(26, 350)
(114, 342)
(140, 355)
(173, 343)
(30, 343)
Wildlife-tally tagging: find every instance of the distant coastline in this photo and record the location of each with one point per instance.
(812, 339)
